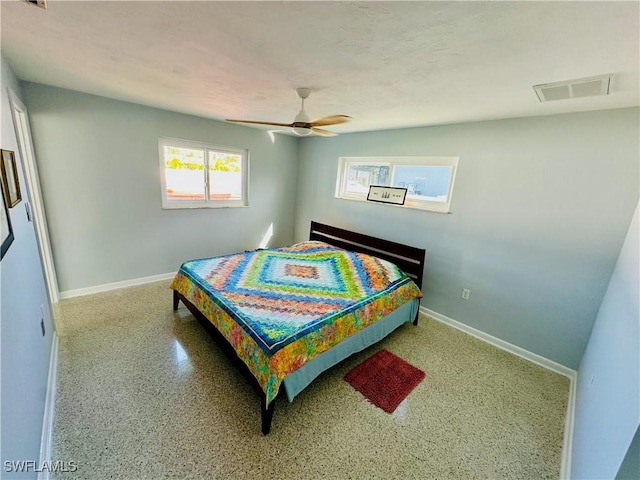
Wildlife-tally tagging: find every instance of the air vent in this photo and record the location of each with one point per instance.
(581, 87)
(38, 3)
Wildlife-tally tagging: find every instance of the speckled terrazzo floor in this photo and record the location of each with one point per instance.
(144, 393)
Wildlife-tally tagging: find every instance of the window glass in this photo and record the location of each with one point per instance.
(423, 182)
(184, 173)
(360, 177)
(225, 176)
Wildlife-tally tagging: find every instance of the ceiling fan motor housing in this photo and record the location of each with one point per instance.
(303, 92)
(300, 124)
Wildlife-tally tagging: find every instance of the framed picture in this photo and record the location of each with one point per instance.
(393, 195)
(6, 232)
(10, 180)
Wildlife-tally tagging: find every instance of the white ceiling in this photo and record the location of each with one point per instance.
(386, 64)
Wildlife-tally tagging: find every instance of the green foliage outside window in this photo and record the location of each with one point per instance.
(225, 163)
(219, 162)
(177, 164)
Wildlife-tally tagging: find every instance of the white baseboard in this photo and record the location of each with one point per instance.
(565, 468)
(49, 406)
(567, 445)
(78, 292)
(501, 344)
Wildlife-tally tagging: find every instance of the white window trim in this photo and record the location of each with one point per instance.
(206, 203)
(427, 161)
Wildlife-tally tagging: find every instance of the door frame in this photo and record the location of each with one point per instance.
(21, 126)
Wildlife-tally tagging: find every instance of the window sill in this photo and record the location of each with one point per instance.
(203, 207)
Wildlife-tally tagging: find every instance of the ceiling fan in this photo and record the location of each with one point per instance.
(302, 124)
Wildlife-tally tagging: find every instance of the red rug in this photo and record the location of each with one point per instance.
(385, 379)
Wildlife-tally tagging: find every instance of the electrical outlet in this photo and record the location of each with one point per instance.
(465, 293)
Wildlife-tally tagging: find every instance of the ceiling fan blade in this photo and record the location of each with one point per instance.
(330, 120)
(261, 123)
(323, 133)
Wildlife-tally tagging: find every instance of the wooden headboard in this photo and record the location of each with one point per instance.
(409, 259)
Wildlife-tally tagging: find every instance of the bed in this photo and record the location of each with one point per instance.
(285, 315)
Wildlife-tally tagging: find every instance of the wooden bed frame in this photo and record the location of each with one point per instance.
(409, 259)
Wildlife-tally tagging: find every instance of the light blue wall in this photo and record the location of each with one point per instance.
(24, 351)
(608, 408)
(100, 175)
(540, 210)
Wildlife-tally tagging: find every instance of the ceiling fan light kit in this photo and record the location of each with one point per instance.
(302, 124)
(302, 118)
(301, 131)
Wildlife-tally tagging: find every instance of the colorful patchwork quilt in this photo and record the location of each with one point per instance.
(281, 307)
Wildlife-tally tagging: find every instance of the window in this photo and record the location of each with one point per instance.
(428, 180)
(198, 175)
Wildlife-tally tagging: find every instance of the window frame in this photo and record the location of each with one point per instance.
(392, 161)
(207, 202)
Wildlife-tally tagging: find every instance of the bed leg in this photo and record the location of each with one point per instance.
(176, 300)
(415, 320)
(267, 414)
